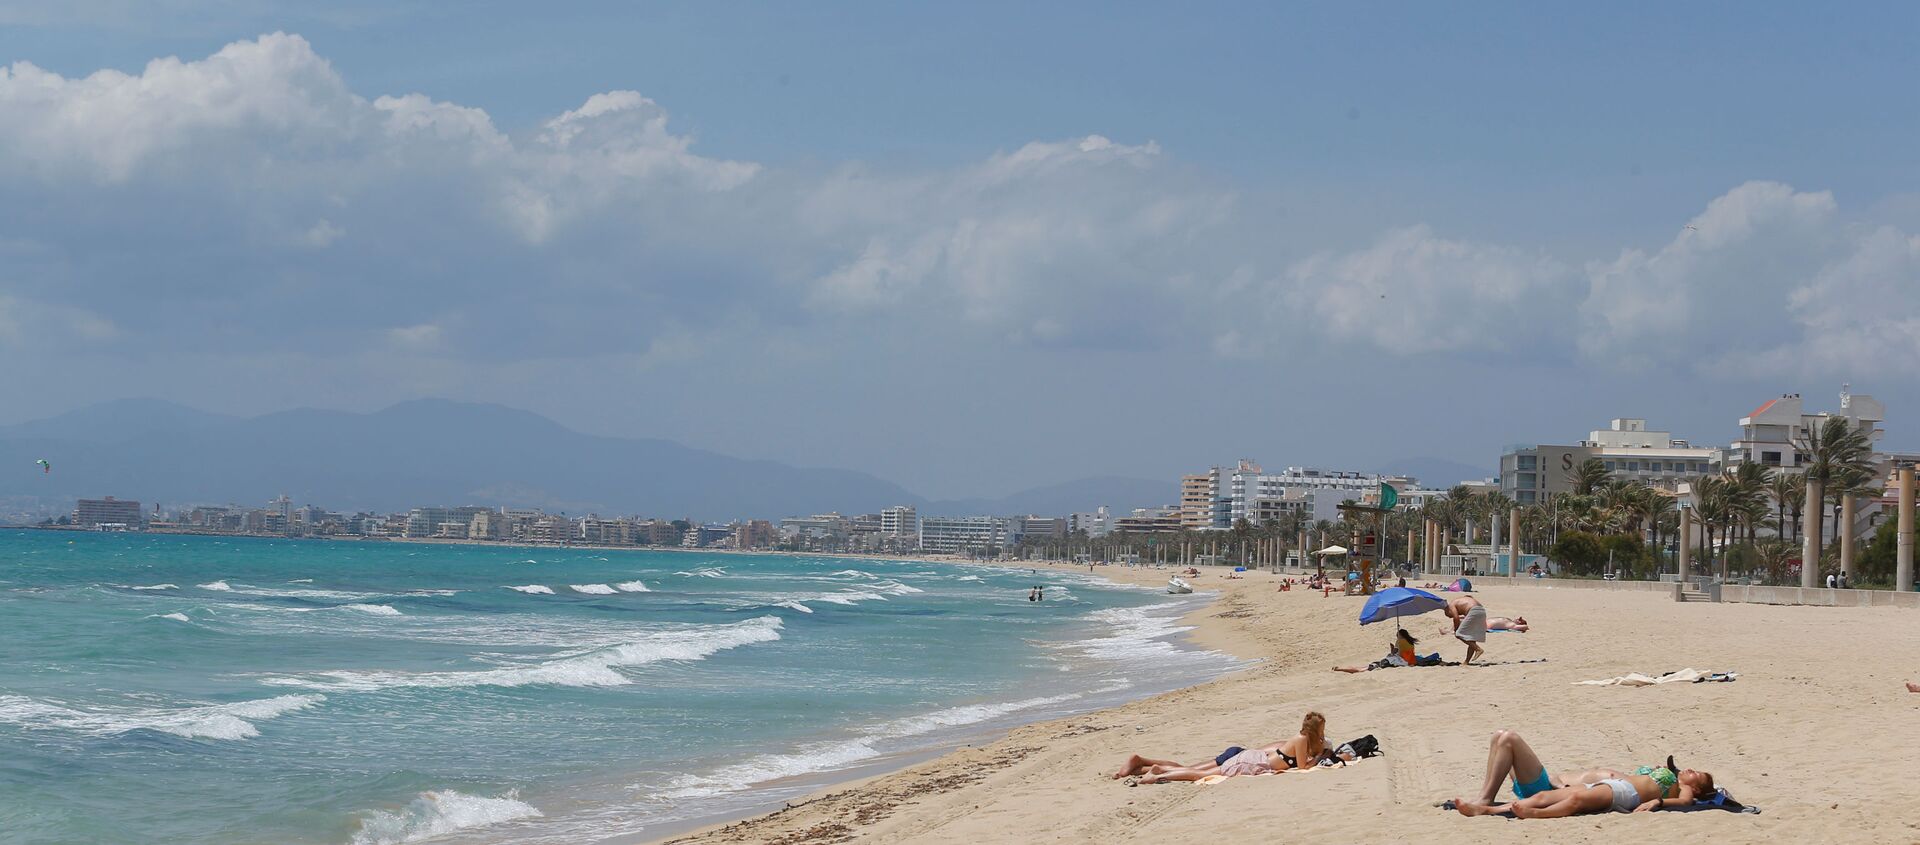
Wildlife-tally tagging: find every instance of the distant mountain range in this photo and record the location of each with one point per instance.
(438, 452)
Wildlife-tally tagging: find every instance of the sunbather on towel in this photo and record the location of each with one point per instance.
(1401, 654)
(1304, 751)
(1542, 796)
(1142, 765)
(1503, 623)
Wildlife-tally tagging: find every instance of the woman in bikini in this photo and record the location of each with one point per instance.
(1542, 796)
(1304, 751)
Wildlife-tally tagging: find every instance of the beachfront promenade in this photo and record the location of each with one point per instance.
(1826, 675)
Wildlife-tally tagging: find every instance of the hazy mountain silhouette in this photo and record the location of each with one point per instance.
(438, 452)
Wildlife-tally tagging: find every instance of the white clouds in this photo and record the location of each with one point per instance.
(1724, 277)
(1414, 292)
(1857, 316)
(28, 325)
(250, 203)
(424, 336)
(322, 234)
(272, 96)
(1055, 242)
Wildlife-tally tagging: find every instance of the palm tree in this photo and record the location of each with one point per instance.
(1784, 487)
(1750, 494)
(1709, 503)
(1833, 451)
(1589, 476)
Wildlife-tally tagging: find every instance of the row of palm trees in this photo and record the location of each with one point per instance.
(1730, 508)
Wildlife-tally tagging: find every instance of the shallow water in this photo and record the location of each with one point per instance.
(226, 690)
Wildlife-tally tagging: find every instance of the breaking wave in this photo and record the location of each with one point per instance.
(435, 814)
(599, 667)
(207, 721)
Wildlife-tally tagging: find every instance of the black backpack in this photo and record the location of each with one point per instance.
(1361, 748)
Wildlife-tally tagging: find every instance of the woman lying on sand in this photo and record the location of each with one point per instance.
(1503, 623)
(1306, 750)
(1592, 791)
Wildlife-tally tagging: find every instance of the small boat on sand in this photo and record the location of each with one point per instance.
(1178, 587)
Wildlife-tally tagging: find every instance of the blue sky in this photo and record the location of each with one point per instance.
(970, 247)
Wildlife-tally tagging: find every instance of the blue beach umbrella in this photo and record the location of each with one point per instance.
(1395, 602)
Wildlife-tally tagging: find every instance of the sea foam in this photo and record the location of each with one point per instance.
(372, 609)
(209, 721)
(158, 587)
(592, 589)
(632, 587)
(534, 589)
(597, 668)
(435, 814)
(218, 586)
(827, 756)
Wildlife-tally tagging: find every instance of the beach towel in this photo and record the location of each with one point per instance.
(1473, 626)
(1720, 800)
(1684, 676)
(1210, 780)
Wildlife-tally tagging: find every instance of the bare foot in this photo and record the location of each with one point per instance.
(1469, 808)
(1913, 687)
(1149, 778)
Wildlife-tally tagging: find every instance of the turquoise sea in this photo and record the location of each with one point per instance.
(229, 690)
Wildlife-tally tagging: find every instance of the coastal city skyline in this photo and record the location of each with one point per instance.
(1224, 498)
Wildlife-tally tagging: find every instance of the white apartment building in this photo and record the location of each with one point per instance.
(1628, 449)
(958, 534)
(1247, 492)
(1772, 434)
(1099, 523)
(899, 522)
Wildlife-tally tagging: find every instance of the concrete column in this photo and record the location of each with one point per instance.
(1426, 547)
(1686, 543)
(1513, 538)
(1810, 525)
(1410, 546)
(1493, 542)
(1903, 566)
(1846, 536)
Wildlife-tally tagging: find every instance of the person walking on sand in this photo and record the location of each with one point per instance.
(1469, 624)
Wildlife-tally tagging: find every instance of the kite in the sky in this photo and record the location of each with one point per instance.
(44, 466)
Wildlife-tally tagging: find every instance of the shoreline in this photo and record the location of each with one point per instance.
(1199, 634)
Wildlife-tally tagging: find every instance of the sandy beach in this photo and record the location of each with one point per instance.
(1818, 732)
